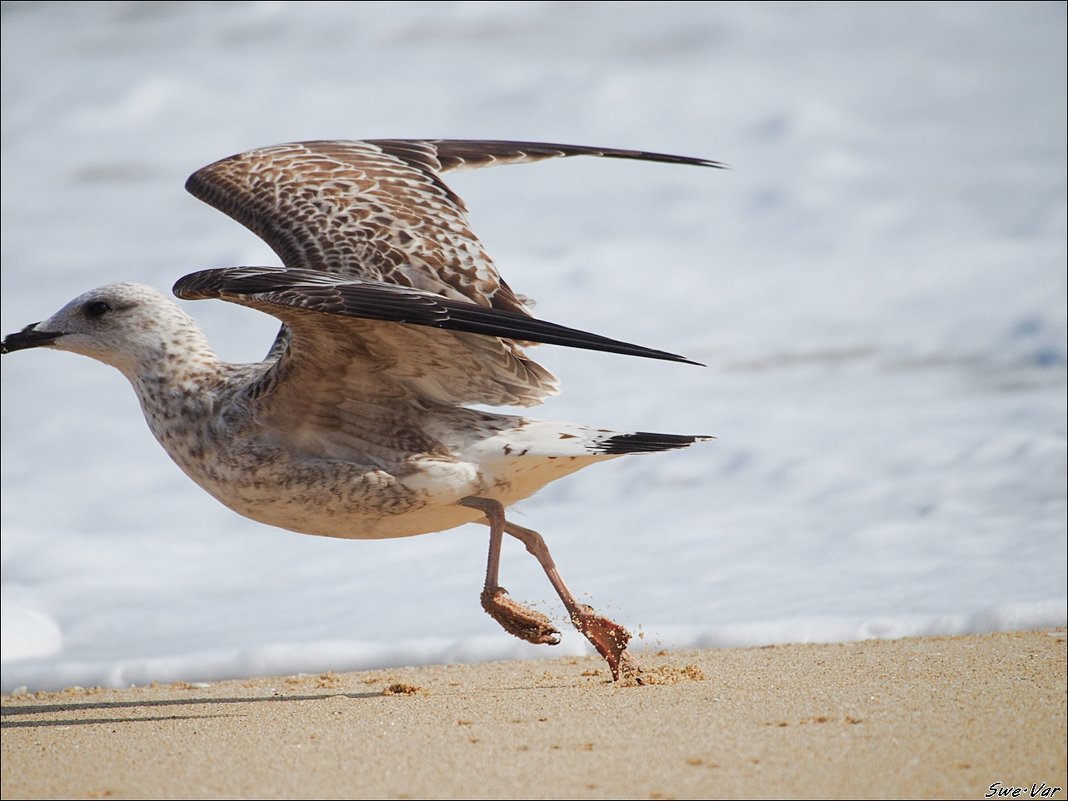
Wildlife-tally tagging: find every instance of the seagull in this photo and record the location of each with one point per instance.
(395, 322)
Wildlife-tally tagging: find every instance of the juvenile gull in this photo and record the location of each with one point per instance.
(394, 320)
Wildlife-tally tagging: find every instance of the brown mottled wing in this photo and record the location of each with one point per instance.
(353, 339)
(378, 210)
(353, 209)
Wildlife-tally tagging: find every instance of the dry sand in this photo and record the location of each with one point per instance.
(924, 718)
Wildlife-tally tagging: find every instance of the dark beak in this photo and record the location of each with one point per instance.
(28, 337)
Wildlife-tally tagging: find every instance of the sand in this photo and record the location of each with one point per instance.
(912, 718)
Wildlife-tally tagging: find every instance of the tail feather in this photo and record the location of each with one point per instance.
(645, 442)
(550, 439)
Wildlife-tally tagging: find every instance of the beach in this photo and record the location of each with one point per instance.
(963, 717)
(874, 542)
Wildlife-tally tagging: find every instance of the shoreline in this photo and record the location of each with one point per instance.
(911, 718)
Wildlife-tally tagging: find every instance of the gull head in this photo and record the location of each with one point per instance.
(129, 326)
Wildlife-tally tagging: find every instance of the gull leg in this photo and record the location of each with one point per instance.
(516, 619)
(609, 638)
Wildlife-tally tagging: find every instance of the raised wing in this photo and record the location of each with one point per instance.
(378, 210)
(353, 339)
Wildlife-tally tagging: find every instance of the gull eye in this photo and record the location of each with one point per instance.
(97, 308)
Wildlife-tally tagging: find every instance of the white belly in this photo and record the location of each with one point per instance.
(376, 505)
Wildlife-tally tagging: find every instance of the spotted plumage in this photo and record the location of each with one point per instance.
(394, 322)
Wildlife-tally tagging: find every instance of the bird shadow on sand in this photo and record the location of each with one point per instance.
(9, 712)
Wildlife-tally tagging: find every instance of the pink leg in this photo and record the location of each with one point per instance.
(609, 638)
(523, 622)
